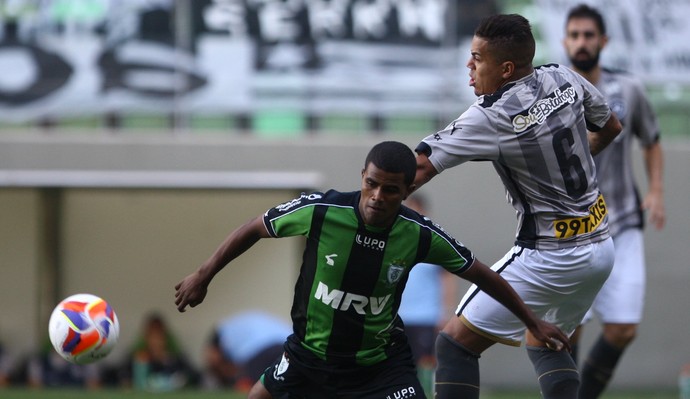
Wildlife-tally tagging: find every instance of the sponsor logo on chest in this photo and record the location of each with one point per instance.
(342, 300)
(370, 243)
(542, 109)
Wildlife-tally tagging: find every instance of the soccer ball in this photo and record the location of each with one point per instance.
(83, 328)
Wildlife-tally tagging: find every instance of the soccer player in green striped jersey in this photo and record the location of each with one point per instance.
(348, 340)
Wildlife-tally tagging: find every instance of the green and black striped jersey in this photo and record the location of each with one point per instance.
(353, 275)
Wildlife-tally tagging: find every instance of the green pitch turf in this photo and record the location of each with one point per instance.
(191, 394)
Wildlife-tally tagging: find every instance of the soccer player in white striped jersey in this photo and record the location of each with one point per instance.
(532, 124)
(620, 302)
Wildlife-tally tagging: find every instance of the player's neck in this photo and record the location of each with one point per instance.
(521, 73)
(593, 75)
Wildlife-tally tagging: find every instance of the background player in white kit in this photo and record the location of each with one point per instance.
(620, 302)
(531, 123)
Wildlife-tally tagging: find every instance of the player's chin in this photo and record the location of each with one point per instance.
(376, 216)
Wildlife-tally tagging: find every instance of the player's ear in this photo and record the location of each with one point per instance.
(507, 69)
(603, 42)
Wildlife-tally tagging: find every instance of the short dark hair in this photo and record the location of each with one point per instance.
(585, 11)
(393, 157)
(509, 37)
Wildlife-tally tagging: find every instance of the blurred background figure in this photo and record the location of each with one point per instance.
(5, 367)
(240, 349)
(157, 363)
(619, 305)
(47, 369)
(428, 301)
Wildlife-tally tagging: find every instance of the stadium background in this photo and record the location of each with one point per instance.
(136, 135)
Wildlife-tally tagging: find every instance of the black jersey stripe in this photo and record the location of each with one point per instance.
(306, 277)
(363, 270)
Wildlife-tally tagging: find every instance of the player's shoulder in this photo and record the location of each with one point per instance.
(330, 197)
(621, 76)
(549, 67)
(417, 218)
(616, 71)
(412, 215)
(558, 72)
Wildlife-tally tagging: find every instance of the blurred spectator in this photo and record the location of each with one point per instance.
(5, 367)
(48, 369)
(156, 362)
(428, 301)
(241, 348)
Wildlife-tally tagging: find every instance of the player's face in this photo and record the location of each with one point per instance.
(382, 194)
(486, 74)
(583, 43)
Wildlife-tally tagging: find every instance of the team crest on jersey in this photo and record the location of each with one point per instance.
(395, 272)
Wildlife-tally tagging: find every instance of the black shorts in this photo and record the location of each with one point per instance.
(256, 366)
(300, 374)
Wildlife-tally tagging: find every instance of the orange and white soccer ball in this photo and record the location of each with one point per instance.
(83, 328)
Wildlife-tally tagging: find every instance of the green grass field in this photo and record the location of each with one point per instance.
(192, 394)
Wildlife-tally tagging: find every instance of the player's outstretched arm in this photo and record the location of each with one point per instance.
(599, 140)
(425, 171)
(192, 289)
(498, 288)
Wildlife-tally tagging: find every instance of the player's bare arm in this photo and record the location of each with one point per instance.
(193, 288)
(653, 201)
(599, 140)
(425, 171)
(493, 284)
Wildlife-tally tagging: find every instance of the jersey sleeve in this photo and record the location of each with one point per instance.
(448, 252)
(471, 137)
(597, 110)
(645, 125)
(292, 218)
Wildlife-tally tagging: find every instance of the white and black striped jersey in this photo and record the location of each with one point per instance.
(627, 99)
(534, 131)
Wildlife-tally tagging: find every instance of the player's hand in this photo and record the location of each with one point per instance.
(654, 205)
(190, 291)
(551, 336)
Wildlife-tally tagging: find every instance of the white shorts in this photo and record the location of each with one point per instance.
(558, 285)
(621, 299)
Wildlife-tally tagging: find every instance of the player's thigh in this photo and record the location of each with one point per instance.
(558, 285)
(584, 269)
(481, 312)
(285, 379)
(621, 299)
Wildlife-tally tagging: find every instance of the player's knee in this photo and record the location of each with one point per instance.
(457, 371)
(560, 385)
(449, 351)
(556, 371)
(620, 335)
